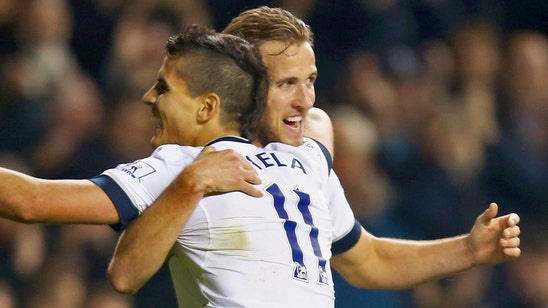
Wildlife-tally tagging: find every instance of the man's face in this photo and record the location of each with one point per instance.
(291, 94)
(173, 109)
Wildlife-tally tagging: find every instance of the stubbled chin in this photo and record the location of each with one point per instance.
(293, 136)
(295, 142)
(155, 140)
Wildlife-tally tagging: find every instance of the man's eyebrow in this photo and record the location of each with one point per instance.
(314, 74)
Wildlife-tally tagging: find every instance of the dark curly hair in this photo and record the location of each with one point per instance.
(226, 65)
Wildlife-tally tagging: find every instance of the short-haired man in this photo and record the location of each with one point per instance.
(285, 43)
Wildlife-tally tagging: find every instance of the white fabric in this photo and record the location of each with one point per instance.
(240, 251)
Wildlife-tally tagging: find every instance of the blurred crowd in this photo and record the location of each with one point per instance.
(439, 107)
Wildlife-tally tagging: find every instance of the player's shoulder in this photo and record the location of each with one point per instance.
(319, 149)
(175, 149)
(316, 114)
(311, 150)
(318, 126)
(175, 154)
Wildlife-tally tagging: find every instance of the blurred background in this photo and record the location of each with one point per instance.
(439, 108)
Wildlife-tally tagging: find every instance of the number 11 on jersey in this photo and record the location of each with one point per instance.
(300, 271)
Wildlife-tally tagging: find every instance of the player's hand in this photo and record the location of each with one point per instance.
(224, 171)
(494, 239)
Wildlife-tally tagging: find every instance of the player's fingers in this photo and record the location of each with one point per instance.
(251, 190)
(490, 213)
(512, 253)
(247, 165)
(511, 232)
(510, 243)
(250, 173)
(208, 149)
(252, 177)
(513, 219)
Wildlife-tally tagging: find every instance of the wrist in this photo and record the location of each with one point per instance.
(193, 183)
(469, 255)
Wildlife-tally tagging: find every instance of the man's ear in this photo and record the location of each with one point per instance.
(211, 106)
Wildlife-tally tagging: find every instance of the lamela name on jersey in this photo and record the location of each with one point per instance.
(269, 159)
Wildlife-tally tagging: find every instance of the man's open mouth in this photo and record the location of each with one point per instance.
(294, 121)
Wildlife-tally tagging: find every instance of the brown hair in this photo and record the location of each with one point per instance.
(270, 24)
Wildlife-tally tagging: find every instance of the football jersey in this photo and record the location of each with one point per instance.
(241, 251)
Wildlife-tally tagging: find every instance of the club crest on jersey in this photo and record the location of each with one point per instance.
(322, 276)
(300, 272)
(137, 169)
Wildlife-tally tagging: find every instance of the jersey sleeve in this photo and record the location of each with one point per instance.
(134, 186)
(346, 229)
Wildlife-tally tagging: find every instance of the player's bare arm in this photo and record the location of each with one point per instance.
(403, 264)
(27, 199)
(145, 245)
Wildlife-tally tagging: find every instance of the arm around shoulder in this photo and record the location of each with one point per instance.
(146, 243)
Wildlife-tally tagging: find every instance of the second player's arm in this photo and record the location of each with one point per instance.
(383, 263)
(147, 241)
(28, 199)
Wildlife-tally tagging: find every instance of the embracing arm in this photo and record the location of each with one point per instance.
(145, 245)
(28, 199)
(382, 263)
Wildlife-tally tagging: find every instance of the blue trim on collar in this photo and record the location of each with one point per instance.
(229, 138)
(326, 153)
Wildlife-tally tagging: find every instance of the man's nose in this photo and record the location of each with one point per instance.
(149, 98)
(304, 96)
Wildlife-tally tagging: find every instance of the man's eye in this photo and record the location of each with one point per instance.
(287, 83)
(311, 80)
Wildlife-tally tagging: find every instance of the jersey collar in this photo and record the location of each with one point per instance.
(229, 138)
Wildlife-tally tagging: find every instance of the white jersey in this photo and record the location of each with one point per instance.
(241, 251)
